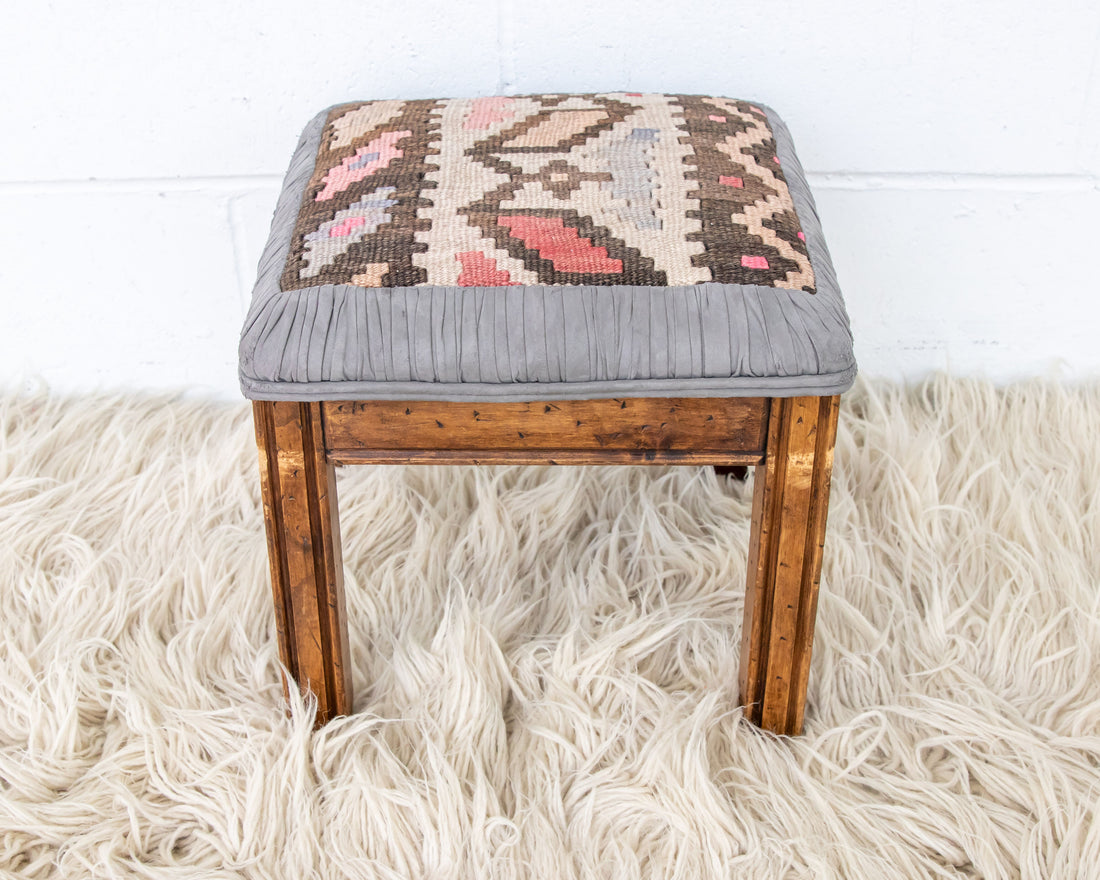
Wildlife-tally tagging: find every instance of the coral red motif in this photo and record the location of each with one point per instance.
(560, 244)
(479, 270)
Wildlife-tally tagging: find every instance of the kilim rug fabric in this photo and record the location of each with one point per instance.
(605, 189)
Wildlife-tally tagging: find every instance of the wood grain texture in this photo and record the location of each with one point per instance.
(789, 440)
(303, 536)
(627, 431)
(790, 503)
(539, 457)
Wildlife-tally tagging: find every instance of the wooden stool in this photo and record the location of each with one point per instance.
(553, 279)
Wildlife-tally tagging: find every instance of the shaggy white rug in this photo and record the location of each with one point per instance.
(546, 659)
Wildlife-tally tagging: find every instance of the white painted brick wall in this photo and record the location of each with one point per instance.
(954, 150)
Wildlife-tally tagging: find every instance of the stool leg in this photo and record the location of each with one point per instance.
(790, 501)
(303, 544)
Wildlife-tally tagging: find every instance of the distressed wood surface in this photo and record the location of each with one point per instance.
(790, 440)
(724, 431)
(303, 539)
(790, 502)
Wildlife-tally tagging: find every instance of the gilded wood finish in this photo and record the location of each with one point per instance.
(790, 501)
(723, 431)
(303, 541)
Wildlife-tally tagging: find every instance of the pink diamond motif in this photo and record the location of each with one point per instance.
(731, 181)
(754, 262)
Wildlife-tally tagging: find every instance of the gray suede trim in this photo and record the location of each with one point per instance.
(542, 342)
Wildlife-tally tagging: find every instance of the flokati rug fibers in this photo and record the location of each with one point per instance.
(545, 659)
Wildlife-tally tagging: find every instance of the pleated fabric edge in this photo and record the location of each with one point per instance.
(541, 342)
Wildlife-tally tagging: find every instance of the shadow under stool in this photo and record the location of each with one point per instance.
(551, 279)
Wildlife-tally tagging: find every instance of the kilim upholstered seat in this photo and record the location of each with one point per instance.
(621, 277)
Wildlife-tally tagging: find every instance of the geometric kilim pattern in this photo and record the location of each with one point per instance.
(594, 189)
